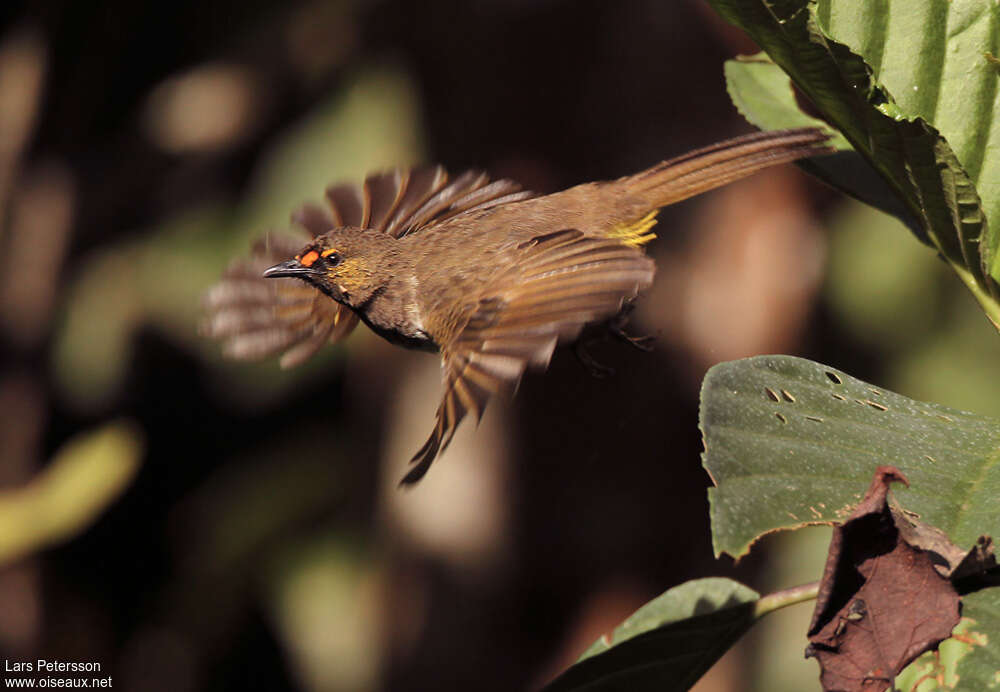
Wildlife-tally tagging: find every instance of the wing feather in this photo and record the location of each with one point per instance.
(313, 218)
(383, 194)
(256, 317)
(440, 202)
(347, 203)
(556, 284)
(421, 184)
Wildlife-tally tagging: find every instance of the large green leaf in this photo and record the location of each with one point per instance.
(763, 94)
(936, 59)
(789, 442)
(931, 57)
(668, 643)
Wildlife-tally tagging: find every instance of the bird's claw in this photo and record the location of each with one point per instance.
(596, 370)
(641, 343)
(616, 326)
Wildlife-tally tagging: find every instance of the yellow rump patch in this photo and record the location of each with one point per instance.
(637, 233)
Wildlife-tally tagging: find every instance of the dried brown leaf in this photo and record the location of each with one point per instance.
(881, 603)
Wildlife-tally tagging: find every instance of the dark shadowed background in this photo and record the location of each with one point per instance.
(195, 524)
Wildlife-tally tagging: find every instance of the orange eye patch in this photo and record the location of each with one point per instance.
(329, 251)
(308, 258)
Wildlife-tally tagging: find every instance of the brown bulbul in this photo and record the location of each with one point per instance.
(490, 275)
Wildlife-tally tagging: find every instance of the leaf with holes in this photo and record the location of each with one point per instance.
(668, 643)
(920, 110)
(789, 442)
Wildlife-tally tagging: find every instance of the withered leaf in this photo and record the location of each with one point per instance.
(950, 561)
(881, 602)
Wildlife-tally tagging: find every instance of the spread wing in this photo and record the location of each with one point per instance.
(556, 284)
(401, 201)
(256, 317)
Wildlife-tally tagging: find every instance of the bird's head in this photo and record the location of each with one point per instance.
(347, 264)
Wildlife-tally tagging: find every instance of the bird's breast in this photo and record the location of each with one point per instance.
(395, 313)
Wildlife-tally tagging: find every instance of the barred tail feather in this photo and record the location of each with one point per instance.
(710, 167)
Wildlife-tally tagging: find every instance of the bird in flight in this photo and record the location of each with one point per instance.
(491, 276)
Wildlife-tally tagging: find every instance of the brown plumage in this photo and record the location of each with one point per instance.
(490, 275)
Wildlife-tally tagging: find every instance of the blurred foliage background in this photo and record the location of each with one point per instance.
(194, 524)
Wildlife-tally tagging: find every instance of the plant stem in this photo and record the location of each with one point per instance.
(986, 301)
(785, 597)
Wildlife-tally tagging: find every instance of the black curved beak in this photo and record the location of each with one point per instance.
(289, 268)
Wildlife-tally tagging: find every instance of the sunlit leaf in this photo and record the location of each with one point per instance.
(928, 73)
(789, 442)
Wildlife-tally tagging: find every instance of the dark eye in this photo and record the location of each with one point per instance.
(333, 259)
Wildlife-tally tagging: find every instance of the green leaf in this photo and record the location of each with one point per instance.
(908, 150)
(979, 660)
(313, 581)
(934, 59)
(85, 476)
(963, 662)
(790, 442)
(763, 94)
(668, 643)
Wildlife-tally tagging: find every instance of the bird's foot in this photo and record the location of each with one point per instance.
(586, 360)
(616, 326)
(642, 343)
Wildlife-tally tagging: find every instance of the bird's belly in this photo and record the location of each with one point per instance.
(415, 339)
